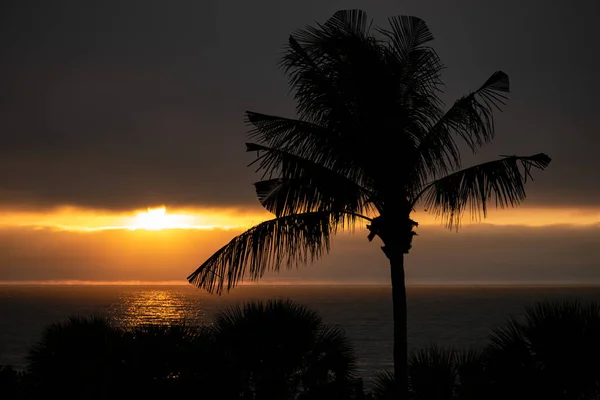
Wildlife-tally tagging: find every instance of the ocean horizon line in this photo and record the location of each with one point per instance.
(308, 283)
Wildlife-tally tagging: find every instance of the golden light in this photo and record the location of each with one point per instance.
(143, 307)
(156, 219)
(150, 219)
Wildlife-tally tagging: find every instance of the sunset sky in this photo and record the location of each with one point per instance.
(108, 108)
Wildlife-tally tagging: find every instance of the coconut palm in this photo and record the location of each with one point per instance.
(552, 354)
(371, 143)
(282, 350)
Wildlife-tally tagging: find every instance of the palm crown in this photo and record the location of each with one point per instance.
(371, 141)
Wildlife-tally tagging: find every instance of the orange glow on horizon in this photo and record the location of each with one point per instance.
(185, 283)
(152, 219)
(524, 216)
(162, 218)
(157, 219)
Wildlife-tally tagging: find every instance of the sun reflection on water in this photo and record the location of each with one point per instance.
(145, 307)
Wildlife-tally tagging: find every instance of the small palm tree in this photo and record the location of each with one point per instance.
(281, 350)
(371, 143)
(78, 357)
(437, 373)
(10, 382)
(552, 354)
(170, 360)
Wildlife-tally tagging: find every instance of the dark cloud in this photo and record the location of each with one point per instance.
(123, 104)
(479, 253)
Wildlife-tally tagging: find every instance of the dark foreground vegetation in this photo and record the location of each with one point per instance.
(281, 350)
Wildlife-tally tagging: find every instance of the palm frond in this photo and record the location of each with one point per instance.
(470, 119)
(285, 141)
(472, 188)
(350, 83)
(471, 356)
(349, 21)
(560, 332)
(413, 76)
(305, 139)
(384, 385)
(318, 58)
(77, 345)
(311, 193)
(290, 240)
(417, 65)
(508, 338)
(275, 309)
(280, 346)
(284, 138)
(311, 81)
(303, 185)
(339, 75)
(564, 312)
(432, 373)
(554, 349)
(334, 353)
(273, 161)
(470, 368)
(342, 23)
(407, 33)
(267, 319)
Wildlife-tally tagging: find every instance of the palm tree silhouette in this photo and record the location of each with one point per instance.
(552, 353)
(168, 360)
(275, 350)
(371, 143)
(89, 357)
(438, 373)
(282, 350)
(10, 382)
(77, 357)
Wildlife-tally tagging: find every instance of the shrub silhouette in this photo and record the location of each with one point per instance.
(273, 350)
(437, 373)
(282, 350)
(552, 354)
(78, 355)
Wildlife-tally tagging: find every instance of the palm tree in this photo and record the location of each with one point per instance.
(77, 357)
(10, 382)
(167, 360)
(282, 350)
(438, 373)
(371, 143)
(552, 353)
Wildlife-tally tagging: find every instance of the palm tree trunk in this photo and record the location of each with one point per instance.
(400, 326)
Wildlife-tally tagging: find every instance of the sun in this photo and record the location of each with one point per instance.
(154, 219)
(158, 219)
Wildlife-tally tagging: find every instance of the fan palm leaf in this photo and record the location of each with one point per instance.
(284, 350)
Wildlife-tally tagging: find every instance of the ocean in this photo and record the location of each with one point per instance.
(444, 315)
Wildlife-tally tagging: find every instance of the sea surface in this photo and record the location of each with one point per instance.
(449, 316)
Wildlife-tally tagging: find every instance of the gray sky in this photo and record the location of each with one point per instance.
(123, 104)
(116, 104)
